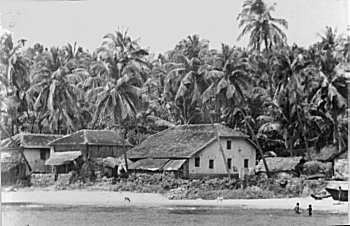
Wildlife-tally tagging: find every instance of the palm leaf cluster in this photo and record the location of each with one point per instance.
(285, 98)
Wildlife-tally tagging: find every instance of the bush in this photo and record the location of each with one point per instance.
(250, 187)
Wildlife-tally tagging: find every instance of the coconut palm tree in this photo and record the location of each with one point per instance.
(331, 95)
(52, 94)
(185, 82)
(118, 82)
(262, 27)
(14, 79)
(120, 62)
(329, 39)
(228, 88)
(290, 67)
(158, 96)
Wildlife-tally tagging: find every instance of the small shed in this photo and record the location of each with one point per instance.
(12, 166)
(34, 147)
(110, 166)
(192, 151)
(281, 166)
(90, 144)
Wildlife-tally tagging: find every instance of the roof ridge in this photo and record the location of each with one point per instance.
(202, 124)
(88, 130)
(37, 134)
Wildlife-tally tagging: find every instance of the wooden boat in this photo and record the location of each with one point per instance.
(335, 194)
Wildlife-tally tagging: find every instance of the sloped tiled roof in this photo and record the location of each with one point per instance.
(28, 140)
(149, 164)
(181, 141)
(61, 158)
(91, 137)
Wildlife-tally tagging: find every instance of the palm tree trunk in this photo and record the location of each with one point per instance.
(255, 139)
(216, 132)
(304, 136)
(124, 147)
(336, 139)
(266, 44)
(258, 44)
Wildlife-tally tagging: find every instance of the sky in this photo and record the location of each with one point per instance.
(161, 24)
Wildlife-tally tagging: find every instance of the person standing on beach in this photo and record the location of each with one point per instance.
(340, 193)
(310, 210)
(297, 209)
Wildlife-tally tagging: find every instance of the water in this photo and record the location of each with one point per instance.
(21, 214)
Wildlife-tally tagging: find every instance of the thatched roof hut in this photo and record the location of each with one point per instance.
(326, 154)
(159, 122)
(317, 168)
(112, 162)
(11, 163)
(279, 164)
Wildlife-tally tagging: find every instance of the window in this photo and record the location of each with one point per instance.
(246, 163)
(211, 163)
(43, 154)
(197, 162)
(229, 163)
(228, 145)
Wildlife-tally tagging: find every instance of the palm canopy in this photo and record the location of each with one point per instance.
(262, 27)
(118, 77)
(52, 94)
(14, 66)
(228, 77)
(185, 80)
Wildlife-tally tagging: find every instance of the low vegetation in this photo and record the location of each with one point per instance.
(252, 187)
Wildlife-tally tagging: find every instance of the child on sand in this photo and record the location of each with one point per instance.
(310, 210)
(297, 209)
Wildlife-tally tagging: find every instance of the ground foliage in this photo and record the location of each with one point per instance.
(251, 187)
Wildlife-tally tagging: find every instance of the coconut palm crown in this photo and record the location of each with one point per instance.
(262, 27)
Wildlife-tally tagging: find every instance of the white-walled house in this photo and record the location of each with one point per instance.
(240, 155)
(192, 151)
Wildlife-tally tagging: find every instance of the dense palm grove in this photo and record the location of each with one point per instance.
(285, 97)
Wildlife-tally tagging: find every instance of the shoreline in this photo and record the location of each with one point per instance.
(117, 199)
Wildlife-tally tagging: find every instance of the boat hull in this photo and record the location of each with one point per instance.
(335, 194)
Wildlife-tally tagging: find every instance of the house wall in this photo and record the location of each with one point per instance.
(63, 148)
(240, 149)
(93, 151)
(96, 151)
(33, 158)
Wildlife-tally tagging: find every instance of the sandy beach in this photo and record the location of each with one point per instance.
(104, 198)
